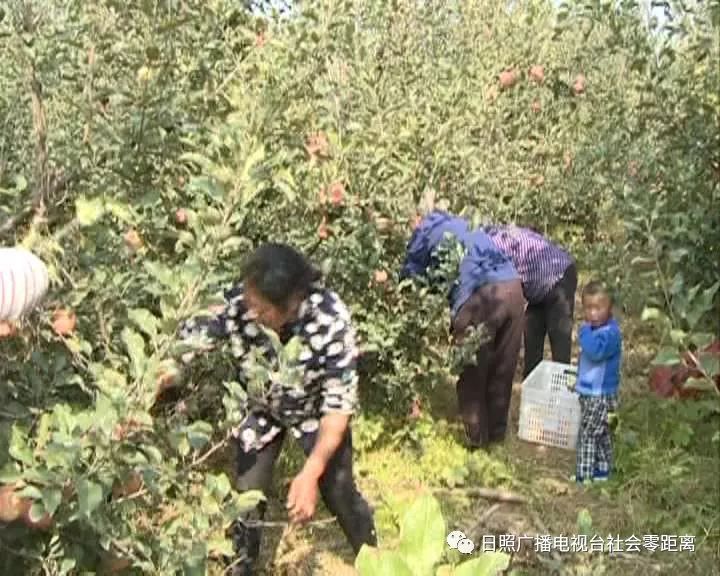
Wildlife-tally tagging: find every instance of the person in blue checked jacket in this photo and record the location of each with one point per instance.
(487, 291)
(597, 384)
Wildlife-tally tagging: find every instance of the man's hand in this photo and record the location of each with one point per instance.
(7, 329)
(303, 497)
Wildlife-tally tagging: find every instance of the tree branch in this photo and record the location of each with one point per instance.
(486, 493)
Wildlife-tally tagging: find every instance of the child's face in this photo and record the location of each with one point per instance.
(597, 309)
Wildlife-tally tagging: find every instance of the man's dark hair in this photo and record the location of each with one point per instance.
(598, 288)
(279, 272)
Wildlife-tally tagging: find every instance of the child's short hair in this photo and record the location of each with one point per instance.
(598, 288)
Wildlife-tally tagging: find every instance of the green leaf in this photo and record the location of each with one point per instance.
(678, 284)
(153, 455)
(42, 434)
(681, 434)
(221, 547)
(161, 273)
(232, 244)
(422, 535)
(287, 185)
(700, 306)
(248, 500)
(106, 415)
(88, 211)
(67, 565)
(702, 339)
(136, 349)
(709, 295)
(219, 485)
(207, 186)
(199, 434)
(195, 158)
(10, 473)
(110, 381)
(374, 562)
(223, 486)
(120, 210)
(90, 496)
(145, 321)
(51, 497)
(678, 336)
(183, 447)
(257, 156)
(20, 183)
(31, 492)
(710, 363)
(19, 448)
(195, 566)
(584, 522)
(488, 564)
(678, 254)
(37, 511)
(666, 357)
(650, 314)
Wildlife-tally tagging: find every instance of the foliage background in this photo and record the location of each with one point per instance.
(117, 114)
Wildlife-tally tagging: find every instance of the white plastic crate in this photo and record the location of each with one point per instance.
(549, 408)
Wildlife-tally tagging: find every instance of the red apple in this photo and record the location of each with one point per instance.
(537, 73)
(64, 322)
(12, 506)
(508, 78)
(323, 232)
(336, 193)
(181, 216)
(131, 485)
(579, 85)
(416, 409)
(7, 329)
(133, 240)
(380, 276)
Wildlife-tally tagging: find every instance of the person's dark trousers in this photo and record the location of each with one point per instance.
(554, 317)
(337, 488)
(484, 390)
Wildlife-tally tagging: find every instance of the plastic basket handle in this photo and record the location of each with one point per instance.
(570, 372)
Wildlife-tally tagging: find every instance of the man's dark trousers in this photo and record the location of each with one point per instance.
(484, 390)
(554, 317)
(337, 488)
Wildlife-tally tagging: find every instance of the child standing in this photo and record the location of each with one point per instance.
(598, 381)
